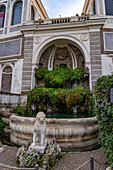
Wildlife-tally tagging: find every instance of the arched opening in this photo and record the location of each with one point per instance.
(78, 55)
(2, 15)
(6, 79)
(17, 13)
(59, 53)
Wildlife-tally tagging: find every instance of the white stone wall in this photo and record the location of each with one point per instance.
(17, 79)
(107, 64)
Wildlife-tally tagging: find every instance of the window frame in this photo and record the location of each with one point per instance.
(2, 68)
(3, 4)
(13, 5)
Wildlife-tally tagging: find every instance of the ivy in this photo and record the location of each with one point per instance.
(104, 110)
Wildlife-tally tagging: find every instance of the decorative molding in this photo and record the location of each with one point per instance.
(37, 40)
(84, 37)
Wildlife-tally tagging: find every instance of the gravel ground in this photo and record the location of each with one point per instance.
(71, 161)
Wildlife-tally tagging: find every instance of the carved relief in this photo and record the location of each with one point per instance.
(84, 37)
(37, 40)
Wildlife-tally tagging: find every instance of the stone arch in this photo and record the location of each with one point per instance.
(6, 78)
(43, 46)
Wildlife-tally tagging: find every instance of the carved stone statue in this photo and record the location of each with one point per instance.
(39, 133)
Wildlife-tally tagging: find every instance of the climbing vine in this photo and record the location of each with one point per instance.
(104, 113)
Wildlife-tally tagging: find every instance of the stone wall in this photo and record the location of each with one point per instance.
(45, 56)
(9, 101)
(95, 54)
(27, 64)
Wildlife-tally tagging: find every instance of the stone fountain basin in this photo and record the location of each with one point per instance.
(71, 134)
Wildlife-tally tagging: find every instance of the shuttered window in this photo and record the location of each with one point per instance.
(109, 7)
(2, 16)
(17, 13)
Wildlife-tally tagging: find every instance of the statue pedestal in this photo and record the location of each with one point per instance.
(39, 148)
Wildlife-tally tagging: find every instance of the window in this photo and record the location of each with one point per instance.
(17, 13)
(2, 16)
(32, 13)
(94, 8)
(109, 7)
(6, 79)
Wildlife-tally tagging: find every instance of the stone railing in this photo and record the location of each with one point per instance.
(62, 20)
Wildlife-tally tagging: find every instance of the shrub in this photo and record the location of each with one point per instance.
(60, 78)
(19, 110)
(40, 73)
(105, 114)
(1, 126)
(59, 100)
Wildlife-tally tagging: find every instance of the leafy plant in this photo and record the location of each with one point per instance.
(19, 110)
(58, 100)
(60, 78)
(104, 112)
(1, 126)
(40, 73)
(78, 73)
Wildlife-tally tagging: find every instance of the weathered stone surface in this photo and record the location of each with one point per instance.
(70, 134)
(95, 54)
(30, 157)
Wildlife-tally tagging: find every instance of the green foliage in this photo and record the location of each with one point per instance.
(59, 100)
(78, 73)
(58, 78)
(63, 77)
(1, 126)
(105, 114)
(19, 110)
(40, 73)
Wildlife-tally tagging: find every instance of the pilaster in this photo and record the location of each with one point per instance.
(27, 65)
(95, 54)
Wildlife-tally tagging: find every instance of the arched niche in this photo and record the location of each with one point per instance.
(6, 78)
(69, 39)
(61, 53)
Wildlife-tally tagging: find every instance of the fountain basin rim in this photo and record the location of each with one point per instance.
(31, 120)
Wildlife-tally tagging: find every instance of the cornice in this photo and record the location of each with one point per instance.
(88, 24)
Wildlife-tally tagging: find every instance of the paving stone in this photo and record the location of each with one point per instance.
(71, 161)
(74, 160)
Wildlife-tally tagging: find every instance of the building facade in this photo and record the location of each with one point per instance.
(29, 39)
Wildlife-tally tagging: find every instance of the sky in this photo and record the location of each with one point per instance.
(65, 8)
